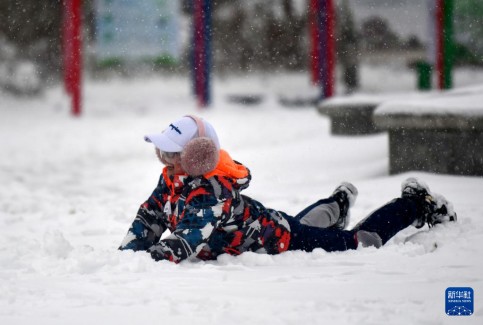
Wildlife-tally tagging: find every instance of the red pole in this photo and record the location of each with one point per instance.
(330, 48)
(76, 57)
(66, 44)
(322, 29)
(440, 42)
(72, 44)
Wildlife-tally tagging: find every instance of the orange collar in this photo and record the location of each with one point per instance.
(228, 167)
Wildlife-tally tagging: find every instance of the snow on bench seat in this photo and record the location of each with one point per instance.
(353, 115)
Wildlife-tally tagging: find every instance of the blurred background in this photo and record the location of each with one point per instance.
(248, 36)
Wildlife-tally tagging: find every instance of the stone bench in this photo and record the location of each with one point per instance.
(441, 134)
(353, 115)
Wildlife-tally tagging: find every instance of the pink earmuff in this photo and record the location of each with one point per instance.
(200, 155)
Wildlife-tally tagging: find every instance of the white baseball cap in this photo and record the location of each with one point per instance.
(175, 137)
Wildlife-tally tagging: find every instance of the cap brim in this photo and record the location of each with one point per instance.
(163, 143)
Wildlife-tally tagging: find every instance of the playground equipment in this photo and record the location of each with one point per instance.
(322, 21)
(72, 52)
(201, 51)
(441, 45)
(322, 52)
(322, 35)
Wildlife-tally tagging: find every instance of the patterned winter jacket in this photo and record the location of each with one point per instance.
(207, 216)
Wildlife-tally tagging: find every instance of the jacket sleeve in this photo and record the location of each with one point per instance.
(201, 213)
(149, 225)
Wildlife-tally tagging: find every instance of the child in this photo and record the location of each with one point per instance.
(198, 198)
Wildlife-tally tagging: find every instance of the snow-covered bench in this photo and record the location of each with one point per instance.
(441, 133)
(353, 115)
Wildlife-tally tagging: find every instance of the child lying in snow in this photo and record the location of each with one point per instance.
(198, 198)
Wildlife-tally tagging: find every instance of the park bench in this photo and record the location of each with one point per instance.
(440, 133)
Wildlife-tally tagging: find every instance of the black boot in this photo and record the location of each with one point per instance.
(435, 208)
(345, 195)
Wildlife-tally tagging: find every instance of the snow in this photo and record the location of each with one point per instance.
(466, 102)
(363, 99)
(71, 187)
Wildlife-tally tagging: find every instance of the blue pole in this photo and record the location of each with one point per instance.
(322, 31)
(207, 52)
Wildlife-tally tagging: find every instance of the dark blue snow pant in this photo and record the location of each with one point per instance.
(385, 221)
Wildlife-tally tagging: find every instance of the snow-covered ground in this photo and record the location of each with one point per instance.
(71, 187)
